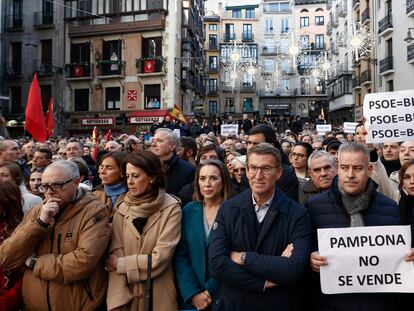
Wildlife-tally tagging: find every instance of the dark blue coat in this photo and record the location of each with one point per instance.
(242, 288)
(327, 211)
(179, 174)
(190, 259)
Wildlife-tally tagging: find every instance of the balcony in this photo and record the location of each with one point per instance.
(212, 46)
(14, 22)
(385, 25)
(229, 109)
(365, 17)
(212, 69)
(386, 66)
(247, 37)
(343, 8)
(409, 6)
(355, 4)
(365, 77)
(410, 53)
(334, 20)
(79, 71)
(150, 66)
(229, 37)
(41, 20)
(248, 88)
(269, 50)
(110, 68)
(43, 68)
(212, 92)
(13, 70)
(356, 83)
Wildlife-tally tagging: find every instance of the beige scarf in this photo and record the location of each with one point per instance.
(145, 205)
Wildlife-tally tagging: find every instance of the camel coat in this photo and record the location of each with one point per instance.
(160, 236)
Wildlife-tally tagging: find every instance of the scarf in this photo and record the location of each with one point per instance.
(354, 205)
(115, 191)
(406, 207)
(145, 205)
(391, 166)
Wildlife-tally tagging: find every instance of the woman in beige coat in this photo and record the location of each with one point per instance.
(148, 222)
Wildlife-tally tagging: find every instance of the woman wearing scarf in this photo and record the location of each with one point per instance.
(147, 223)
(10, 216)
(212, 186)
(406, 203)
(112, 189)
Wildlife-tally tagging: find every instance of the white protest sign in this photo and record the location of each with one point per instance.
(177, 131)
(389, 116)
(323, 128)
(227, 129)
(349, 127)
(366, 260)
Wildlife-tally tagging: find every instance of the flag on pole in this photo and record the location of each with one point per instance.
(95, 150)
(109, 135)
(94, 134)
(50, 122)
(322, 113)
(35, 120)
(176, 113)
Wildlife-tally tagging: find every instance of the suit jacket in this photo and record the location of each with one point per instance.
(191, 265)
(242, 287)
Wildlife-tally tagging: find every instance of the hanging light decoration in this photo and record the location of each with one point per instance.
(233, 62)
(297, 49)
(324, 65)
(359, 41)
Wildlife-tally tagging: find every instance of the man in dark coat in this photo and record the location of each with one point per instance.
(179, 172)
(352, 201)
(288, 182)
(260, 241)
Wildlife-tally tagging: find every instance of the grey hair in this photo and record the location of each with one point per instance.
(68, 166)
(81, 145)
(172, 136)
(354, 147)
(321, 154)
(265, 149)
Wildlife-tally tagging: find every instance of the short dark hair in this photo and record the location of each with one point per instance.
(220, 152)
(151, 165)
(307, 147)
(47, 152)
(270, 138)
(226, 190)
(189, 143)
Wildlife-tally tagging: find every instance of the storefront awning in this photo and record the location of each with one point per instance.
(147, 116)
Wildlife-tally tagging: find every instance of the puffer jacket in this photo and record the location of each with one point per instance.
(69, 273)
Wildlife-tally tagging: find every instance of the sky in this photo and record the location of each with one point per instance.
(213, 4)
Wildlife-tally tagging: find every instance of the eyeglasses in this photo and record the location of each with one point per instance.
(297, 155)
(266, 170)
(57, 186)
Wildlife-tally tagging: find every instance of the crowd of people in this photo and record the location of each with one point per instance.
(197, 222)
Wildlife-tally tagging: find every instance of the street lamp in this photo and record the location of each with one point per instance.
(409, 37)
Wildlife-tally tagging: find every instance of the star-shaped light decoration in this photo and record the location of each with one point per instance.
(359, 40)
(296, 50)
(324, 65)
(233, 60)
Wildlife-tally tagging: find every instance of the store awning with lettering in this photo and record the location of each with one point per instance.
(147, 116)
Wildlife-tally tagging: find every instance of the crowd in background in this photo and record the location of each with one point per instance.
(217, 222)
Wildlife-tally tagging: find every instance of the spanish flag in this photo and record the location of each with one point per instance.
(177, 114)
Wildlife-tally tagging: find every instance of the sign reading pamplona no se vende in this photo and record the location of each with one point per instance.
(366, 260)
(389, 116)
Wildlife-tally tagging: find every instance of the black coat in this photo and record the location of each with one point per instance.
(179, 174)
(327, 211)
(242, 288)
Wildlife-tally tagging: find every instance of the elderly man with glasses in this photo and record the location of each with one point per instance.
(260, 242)
(61, 244)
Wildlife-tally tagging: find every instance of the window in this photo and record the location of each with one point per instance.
(16, 99)
(212, 86)
(151, 47)
(46, 60)
(212, 62)
(247, 32)
(80, 53)
(15, 68)
(212, 27)
(269, 25)
(212, 107)
(319, 20)
(111, 57)
(212, 42)
(250, 13)
(152, 96)
(230, 105)
(237, 14)
(319, 42)
(268, 65)
(304, 21)
(247, 105)
(304, 39)
(46, 94)
(113, 98)
(284, 25)
(82, 100)
(17, 20)
(229, 32)
(390, 86)
(279, 7)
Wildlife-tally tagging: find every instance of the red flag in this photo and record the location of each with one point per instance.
(50, 122)
(35, 120)
(95, 151)
(149, 66)
(94, 134)
(109, 135)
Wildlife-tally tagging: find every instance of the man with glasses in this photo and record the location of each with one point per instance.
(61, 244)
(260, 242)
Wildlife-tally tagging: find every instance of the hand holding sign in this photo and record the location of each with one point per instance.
(317, 261)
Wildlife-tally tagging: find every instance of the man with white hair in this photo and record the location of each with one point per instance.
(112, 146)
(179, 172)
(61, 243)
